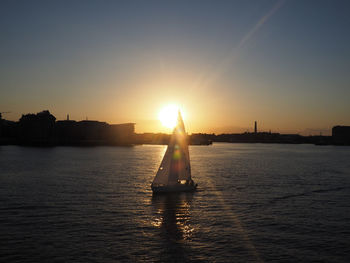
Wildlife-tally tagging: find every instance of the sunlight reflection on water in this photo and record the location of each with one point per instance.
(173, 215)
(254, 203)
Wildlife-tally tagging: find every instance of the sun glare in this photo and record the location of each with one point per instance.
(168, 116)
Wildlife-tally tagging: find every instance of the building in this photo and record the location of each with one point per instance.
(37, 128)
(341, 135)
(94, 133)
(121, 133)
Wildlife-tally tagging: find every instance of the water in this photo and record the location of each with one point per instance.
(256, 202)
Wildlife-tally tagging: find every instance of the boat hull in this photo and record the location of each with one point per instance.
(174, 188)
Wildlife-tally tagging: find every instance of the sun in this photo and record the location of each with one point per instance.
(168, 116)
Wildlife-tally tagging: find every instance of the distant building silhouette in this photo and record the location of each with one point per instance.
(94, 132)
(152, 138)
(255, 127)
(341, 135)
(42, 129)
(122, 132)
(37, 128)
(200, 139)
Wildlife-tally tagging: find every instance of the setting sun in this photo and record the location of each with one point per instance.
(168, 116)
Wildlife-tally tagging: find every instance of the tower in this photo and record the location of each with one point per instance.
(255, 127)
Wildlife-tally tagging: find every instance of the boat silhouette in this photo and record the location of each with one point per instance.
(174, 173)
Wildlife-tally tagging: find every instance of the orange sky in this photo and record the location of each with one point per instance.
(225, 64)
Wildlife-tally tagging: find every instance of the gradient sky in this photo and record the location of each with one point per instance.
(226, 63)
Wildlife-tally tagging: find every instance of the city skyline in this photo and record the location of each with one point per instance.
(282, 63)
(255, 128)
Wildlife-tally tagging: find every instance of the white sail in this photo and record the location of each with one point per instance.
(175, 167)
(162, 175)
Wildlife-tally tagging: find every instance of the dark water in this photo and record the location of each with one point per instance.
(256, 202)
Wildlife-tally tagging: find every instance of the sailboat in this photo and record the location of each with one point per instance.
(174, 173)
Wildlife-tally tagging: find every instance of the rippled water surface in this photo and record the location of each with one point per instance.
(256, 202)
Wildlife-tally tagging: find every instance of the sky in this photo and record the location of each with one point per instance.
(226, 64)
